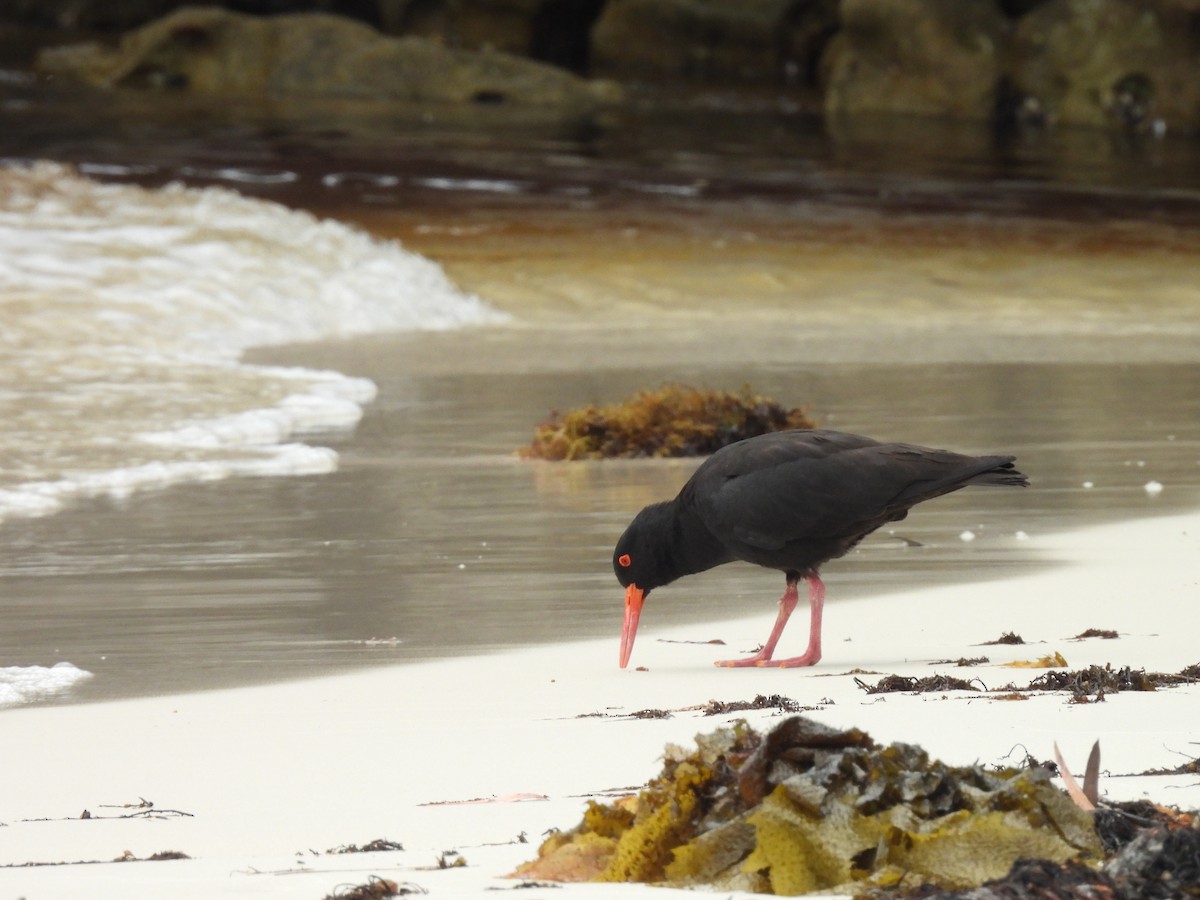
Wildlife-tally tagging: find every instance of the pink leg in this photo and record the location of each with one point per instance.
(787, 603)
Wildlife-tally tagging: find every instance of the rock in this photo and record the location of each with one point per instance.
(214, 52)
(915, 57)
(505, 25)
(1108, 63)
(553, 31)
(97, 15)
(712, 41)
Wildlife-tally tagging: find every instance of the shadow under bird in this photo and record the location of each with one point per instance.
(790, 500)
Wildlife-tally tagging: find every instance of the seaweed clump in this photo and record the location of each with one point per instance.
(1159, 859)
(1100, 680)
(891, 684)
(674, 420)
(807, 808)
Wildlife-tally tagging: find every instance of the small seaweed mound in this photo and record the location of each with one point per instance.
(807, 808)
(672, 421)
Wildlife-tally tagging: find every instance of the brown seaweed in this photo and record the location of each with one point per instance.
(962, 661)
(1106, 633)
(378, 845)
(1096, 681)
(375, 888)
(674, 420)
(891, 684)
(1008, 637)
(1189, 767)
(1092, 682)
(760, 701)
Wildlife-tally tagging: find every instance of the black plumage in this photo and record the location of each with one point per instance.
(790, 500)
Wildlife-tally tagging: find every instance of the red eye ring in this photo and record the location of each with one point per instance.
(625, 560)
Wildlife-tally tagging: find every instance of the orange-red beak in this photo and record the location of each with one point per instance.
(634, 596)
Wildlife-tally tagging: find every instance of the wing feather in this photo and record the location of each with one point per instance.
(820, 486)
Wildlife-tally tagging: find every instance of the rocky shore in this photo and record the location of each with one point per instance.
(1122, 65)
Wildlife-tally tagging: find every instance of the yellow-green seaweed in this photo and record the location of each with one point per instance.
(810, 808)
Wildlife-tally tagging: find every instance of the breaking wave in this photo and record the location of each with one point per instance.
(124, 313)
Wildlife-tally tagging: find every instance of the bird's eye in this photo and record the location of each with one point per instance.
(625, 560)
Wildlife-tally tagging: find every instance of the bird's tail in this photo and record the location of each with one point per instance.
(1001, 472)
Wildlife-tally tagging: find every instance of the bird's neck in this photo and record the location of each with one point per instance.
(690, 547)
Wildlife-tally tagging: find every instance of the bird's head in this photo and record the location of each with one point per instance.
(636, 561)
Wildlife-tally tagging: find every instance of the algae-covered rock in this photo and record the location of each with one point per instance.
(1109, 62)
(210, 51)
(915, 57)
(809, 808)
(671, 421)
(712, 41)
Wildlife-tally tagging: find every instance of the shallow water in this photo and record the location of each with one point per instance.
(432, 534)
(981, 298)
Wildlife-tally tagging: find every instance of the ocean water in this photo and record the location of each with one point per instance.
(124, 313)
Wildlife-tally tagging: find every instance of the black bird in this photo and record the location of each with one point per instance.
(790, 500)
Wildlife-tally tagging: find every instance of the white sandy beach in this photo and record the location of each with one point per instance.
(271, 777)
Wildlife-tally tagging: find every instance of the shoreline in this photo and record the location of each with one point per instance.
(371, 552)
(377, 746)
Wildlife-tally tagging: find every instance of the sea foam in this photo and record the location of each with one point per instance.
(24, 684)
(125, 312)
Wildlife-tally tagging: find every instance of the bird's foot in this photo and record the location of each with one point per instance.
(762, 656)
(742, 663)
(794, 662)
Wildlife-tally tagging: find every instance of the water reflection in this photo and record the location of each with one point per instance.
(391, 155)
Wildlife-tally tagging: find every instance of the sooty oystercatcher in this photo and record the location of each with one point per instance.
(790, 500)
